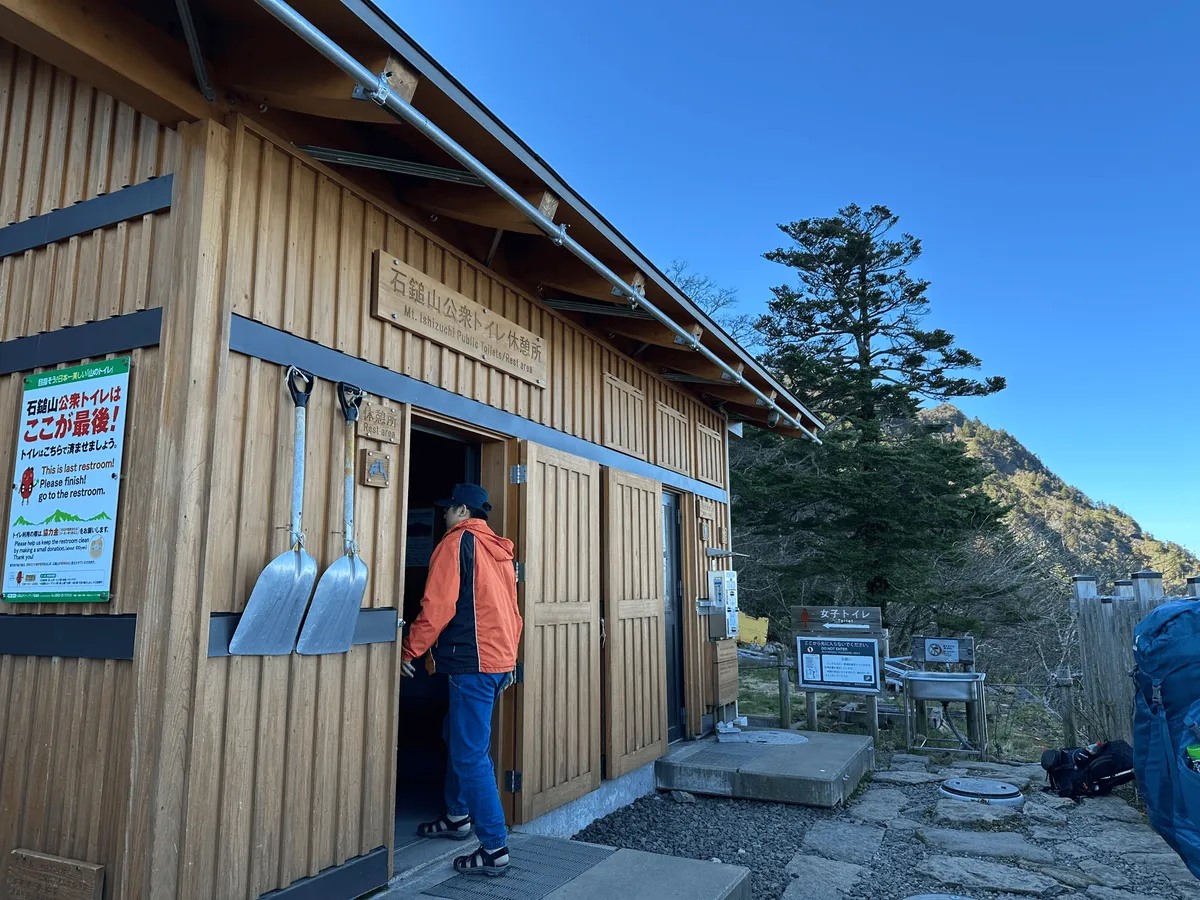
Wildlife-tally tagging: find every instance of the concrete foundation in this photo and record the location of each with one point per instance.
(822, 772)
(573, 817)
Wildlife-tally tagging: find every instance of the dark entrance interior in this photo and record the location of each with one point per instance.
(673, 616)
(437, 461)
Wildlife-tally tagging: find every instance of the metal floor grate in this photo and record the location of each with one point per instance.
(725, 755)
(539, 865)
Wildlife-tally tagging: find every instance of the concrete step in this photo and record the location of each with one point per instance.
(823, 771)
(545, 868)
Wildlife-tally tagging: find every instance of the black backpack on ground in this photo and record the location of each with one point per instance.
(1088, 771)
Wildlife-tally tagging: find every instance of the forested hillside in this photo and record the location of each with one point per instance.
(1077, 534)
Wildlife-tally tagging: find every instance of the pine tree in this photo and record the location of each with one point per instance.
(877, 514)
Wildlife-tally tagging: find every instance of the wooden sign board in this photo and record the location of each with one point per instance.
(40, 876)
(706, 509)
(375, 469)
(837, 619)
(409, 299)
(943, 650)
(379, 422)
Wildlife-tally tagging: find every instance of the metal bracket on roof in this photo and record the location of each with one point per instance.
(560, 236)
(377, 93)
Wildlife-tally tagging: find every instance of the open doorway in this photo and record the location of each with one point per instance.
(437, 461)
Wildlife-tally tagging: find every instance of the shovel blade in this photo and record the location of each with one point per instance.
(329, 626)
(276, 606)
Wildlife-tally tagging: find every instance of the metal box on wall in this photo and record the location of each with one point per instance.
(722, 604)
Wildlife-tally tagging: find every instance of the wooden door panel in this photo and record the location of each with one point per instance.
(634, 652)
(558, 704)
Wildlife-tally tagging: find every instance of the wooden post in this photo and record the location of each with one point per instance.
(1066, 686)
(873, 717)
(1123, 589)
(1083, 588)
(1147, 587)
(785, 697)
(1193, 586)
(810, 705)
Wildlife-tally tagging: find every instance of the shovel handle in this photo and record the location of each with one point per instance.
(350, 398)
(300, 384)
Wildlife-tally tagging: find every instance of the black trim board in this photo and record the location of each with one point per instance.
(72, 636)
(108, 209)
(374, 626)
(90, 341)
(351, 879)
(270, 344)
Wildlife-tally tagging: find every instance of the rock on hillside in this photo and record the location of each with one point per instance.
(1082, 535)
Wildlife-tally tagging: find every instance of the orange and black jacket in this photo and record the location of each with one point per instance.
(469, 614)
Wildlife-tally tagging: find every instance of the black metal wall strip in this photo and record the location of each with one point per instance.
(374, 626)
(271, 344)
(351, 879)
(95, 339)
(74, 635)
(128, 203)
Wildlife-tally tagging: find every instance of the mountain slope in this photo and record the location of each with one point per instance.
(1080, 535)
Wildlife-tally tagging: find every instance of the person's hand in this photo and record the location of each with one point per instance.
(407, 669)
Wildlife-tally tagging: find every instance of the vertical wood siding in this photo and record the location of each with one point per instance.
(64, 759)
(66, 725)
(558, 706)
(710, 455)
(635, 645)
(292, 756)
(674, 444)
(625, 423)
(310, 236)
(698, 671)
(61, 141)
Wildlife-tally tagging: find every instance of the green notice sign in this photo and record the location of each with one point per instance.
(66, 484)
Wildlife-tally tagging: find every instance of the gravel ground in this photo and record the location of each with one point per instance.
(761, 836)
(1097, 850)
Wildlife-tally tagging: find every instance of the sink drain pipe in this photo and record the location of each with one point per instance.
(377, 89)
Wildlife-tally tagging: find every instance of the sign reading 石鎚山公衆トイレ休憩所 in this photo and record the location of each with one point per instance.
(66, 482)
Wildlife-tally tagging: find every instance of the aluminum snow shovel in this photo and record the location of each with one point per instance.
(276, 606)
(329, 627)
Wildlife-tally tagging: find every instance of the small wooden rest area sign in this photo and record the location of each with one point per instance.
(410, 299)
(40, 876)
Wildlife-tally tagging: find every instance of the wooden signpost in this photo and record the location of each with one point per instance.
(840, 649)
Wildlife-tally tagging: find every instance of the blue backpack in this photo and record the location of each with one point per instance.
(1166, 721)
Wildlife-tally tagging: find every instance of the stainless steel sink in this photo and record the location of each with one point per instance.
(960, 686)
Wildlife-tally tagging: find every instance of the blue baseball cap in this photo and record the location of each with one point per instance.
(471, 496)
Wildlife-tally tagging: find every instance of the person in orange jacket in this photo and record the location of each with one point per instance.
(470, 625)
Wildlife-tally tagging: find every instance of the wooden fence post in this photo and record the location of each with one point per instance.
(1193, 586)
(1147, 587)
(1083, 587)
(1066, 685)
(810, 707)
(785, 697)
(1123, 588)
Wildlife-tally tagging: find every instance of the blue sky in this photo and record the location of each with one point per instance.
(1047, 154)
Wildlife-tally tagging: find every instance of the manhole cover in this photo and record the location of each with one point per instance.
(983, 790)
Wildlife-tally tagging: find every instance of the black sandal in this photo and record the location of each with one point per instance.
(483, 863)
(455, 829)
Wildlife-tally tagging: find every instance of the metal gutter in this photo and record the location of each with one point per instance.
(429, 69)
(379, 91)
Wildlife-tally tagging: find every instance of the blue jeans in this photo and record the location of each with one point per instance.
(470, 778)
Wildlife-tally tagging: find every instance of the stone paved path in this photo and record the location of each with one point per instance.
(898, 837)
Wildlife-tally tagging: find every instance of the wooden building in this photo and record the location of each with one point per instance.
(217, 217)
